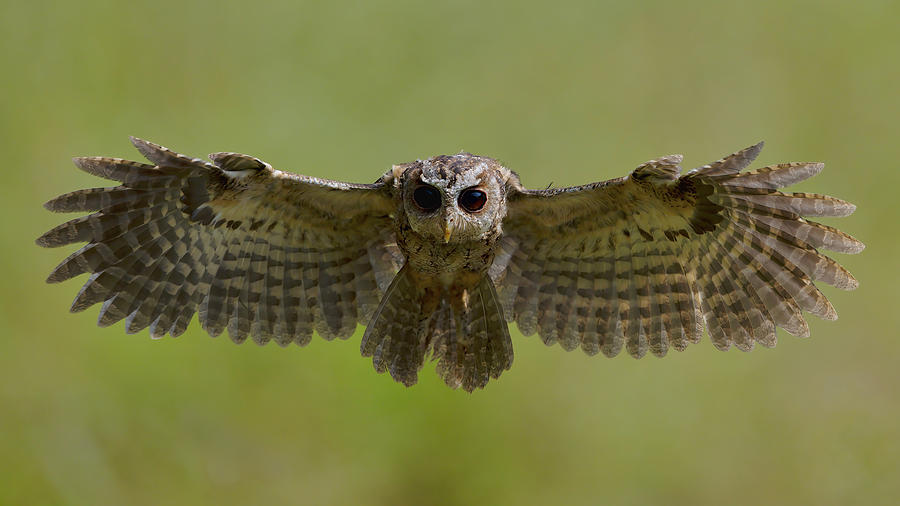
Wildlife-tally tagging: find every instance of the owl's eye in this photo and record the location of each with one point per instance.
(472, 200)
(428, 198)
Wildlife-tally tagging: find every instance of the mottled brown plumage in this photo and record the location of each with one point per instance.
(437, 255)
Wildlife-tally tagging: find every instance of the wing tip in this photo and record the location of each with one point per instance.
(137, 141)
(62, 273)
(753, 151)
(84, 163)
(145, 148)
(56, 205)
(51, 239)
(850, 284)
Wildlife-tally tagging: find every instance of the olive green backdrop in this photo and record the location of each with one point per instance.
(563, 92)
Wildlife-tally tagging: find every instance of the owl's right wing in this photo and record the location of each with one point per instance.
(646, 260)
(260, 252)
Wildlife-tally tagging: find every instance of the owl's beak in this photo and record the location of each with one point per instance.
(448, 228)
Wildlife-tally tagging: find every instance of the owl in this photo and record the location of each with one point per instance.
(438, 256)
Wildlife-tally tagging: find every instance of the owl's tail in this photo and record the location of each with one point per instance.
(464, 331)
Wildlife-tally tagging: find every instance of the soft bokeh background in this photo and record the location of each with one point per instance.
(566, 92)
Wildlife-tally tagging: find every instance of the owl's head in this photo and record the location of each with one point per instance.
(454, 198)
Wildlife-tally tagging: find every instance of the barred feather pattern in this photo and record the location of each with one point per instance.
(264, 254)
(647, 261)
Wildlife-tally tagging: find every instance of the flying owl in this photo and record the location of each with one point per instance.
(438, 256)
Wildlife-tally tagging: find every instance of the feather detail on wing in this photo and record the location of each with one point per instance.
(646, 261)
(266, 254)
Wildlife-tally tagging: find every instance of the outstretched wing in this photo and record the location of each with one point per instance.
(258, 251)
(647, 259)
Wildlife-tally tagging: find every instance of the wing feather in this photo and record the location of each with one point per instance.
(237, 305)
(774, 176)
(629, 283)
(567, 322)
(589, 306)
(659, 319)
(526, 300)
(647, 261)
(266, 317)
(298, 312)
(608, 317)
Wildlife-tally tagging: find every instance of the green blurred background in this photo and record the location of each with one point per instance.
(566, 92)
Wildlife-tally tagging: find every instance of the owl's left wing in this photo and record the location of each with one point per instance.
(648, 259)
(258, 251)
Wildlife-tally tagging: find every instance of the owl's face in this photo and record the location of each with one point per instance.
(454, 198)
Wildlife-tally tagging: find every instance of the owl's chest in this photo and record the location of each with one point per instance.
(444, 260)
